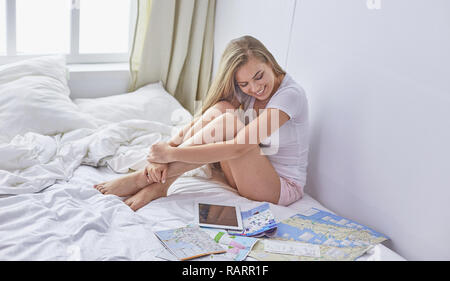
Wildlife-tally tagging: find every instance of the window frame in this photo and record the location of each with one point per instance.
(74, 57)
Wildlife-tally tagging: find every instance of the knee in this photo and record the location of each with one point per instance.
(216, 110)
(223, 106)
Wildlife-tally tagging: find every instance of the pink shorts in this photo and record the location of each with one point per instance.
(289, 192)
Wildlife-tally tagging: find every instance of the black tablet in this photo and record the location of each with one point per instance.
(218, 216)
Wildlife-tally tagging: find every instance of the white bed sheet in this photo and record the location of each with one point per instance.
(73, 221)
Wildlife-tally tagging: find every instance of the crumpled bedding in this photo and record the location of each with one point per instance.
(56, 213)
(71, 220)
(33, 162)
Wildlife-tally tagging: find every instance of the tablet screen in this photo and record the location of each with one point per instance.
(217, 214)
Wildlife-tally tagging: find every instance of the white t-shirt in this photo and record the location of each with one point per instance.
(287, 148)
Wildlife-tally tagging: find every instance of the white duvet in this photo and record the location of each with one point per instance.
(33, 162)
(73, 221)
(45, 136)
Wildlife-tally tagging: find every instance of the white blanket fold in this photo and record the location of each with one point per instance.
(32, 162)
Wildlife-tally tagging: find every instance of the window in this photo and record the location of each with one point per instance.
(42, 27)
(104, 32)
(87, 31)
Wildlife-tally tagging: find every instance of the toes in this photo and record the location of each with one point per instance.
(134, 207)
(101, 188)
(97, 186)
(128, 202)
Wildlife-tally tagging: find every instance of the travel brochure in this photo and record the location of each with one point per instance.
(258, 222)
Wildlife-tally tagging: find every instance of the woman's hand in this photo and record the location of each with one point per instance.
(161, 152)
(156, 172)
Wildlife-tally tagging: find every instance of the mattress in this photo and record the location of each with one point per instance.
(71, 220)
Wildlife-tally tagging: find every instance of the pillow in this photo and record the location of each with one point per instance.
(34, 97)
(150, 102)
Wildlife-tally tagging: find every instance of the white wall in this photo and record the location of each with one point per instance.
(98, 80)
(267, 20)
(379, 95)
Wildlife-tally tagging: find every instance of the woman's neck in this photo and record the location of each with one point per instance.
(276, 85)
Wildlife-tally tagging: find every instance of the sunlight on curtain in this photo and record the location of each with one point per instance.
(142, 20)
(174, 44)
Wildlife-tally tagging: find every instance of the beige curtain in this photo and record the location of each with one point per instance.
(173, 43)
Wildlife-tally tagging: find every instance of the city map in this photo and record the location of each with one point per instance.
(338, 238)
(189, 242)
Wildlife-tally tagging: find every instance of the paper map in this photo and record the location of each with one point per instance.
(339, 238)
(237, 247)
(327, 253)
(189, 242)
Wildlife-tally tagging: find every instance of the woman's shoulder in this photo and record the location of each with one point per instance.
(290, 85)
(290, 98)
(289, 89)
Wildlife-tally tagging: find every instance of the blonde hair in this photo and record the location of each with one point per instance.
(236, 54)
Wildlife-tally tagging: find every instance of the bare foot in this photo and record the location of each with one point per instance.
(147, 194)
(124, 186)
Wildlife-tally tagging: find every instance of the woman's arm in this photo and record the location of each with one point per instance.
(208, 153)
(247, 138)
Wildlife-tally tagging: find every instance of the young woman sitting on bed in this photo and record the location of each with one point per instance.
(248, 78)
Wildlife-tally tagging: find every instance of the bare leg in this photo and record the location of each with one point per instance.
(217, 110)
(149, 193)
(157, 190)
(263, 184)
(132, 183)
(124, 185)
(252, 174)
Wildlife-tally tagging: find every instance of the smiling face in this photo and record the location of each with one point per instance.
(248, 64)
(257, 79)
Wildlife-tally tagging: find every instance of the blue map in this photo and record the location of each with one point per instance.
(323, 228)
(258, 222)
